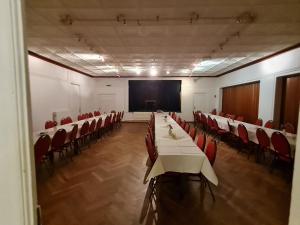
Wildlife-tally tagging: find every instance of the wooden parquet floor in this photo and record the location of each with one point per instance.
(104, 185)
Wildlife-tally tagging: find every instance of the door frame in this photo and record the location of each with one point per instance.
(17, 167)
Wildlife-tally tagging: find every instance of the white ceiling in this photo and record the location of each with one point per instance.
(215, 42)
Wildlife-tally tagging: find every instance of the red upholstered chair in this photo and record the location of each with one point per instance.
(219, 131)
(263, 142)
(178, 120)
(173, 115)
(58, 143)
(201, 141)
(92, 129)
(183, 124)
(221, 114)
(83, 133)
(187, 127)
(240, 118)
(99, 127)
(63, 121)
(150, 149)
(50, 124)
(69, 120)
(41, 148)
(79, 117)
(269, 124)
(72, 138)
(90, 115)
(258, 122)
(211, 151)
(230, 116)
(244, 139)
(214, 112)
(192, 133)
(151, 135)
(204, 122)
(210, 124)
(289, 128)
(282, 149)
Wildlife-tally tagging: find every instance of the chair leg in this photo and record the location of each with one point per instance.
(210, 190)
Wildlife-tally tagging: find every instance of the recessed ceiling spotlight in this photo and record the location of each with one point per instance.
(153, 71)
(168, 72)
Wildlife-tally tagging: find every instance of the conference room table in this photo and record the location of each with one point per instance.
(251, 128)
(67, 127)
(177, 151)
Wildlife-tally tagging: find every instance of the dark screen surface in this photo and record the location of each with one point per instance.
(153, 95)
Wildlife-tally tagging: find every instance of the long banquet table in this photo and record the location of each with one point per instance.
(251, 128)
(179, 154)
(67, 127)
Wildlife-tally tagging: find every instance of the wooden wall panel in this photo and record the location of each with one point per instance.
(291, 98)
(242, 100)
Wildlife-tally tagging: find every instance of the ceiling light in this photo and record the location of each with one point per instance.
(185, 71)
(138, 71)
(153, 71)
(168, 72)
(108, 69)
(90, 57)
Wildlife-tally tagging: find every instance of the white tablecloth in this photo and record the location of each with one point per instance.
(67, 127)
(251, 128)
(179, 154)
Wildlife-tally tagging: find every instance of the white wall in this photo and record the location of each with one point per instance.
(266, 72)
(119, 87)
(51, 91)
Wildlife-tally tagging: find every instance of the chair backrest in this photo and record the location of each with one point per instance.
(183, 124)
(173, 115)
(221, 114)
(63, 121)
(240, 118)
(92, 126)
(193, 133)
(187, 127)
(263, 138)
(150, 149)
(214, 112)
(41, 147)
(210, 122)
(49, 124)
(281, 144)
(90, 115)
(99, 124)
(79, 117)
(269, 124)
(58, 139)
(211, 151)
(85, 128)
(289, 128)
(230, 116)
(258, 122)
(215, 124)
(203, 119)
(150, 132)
(73, 133)
(201, 141)
(243, 133)
(230, 128)
(178, 120)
